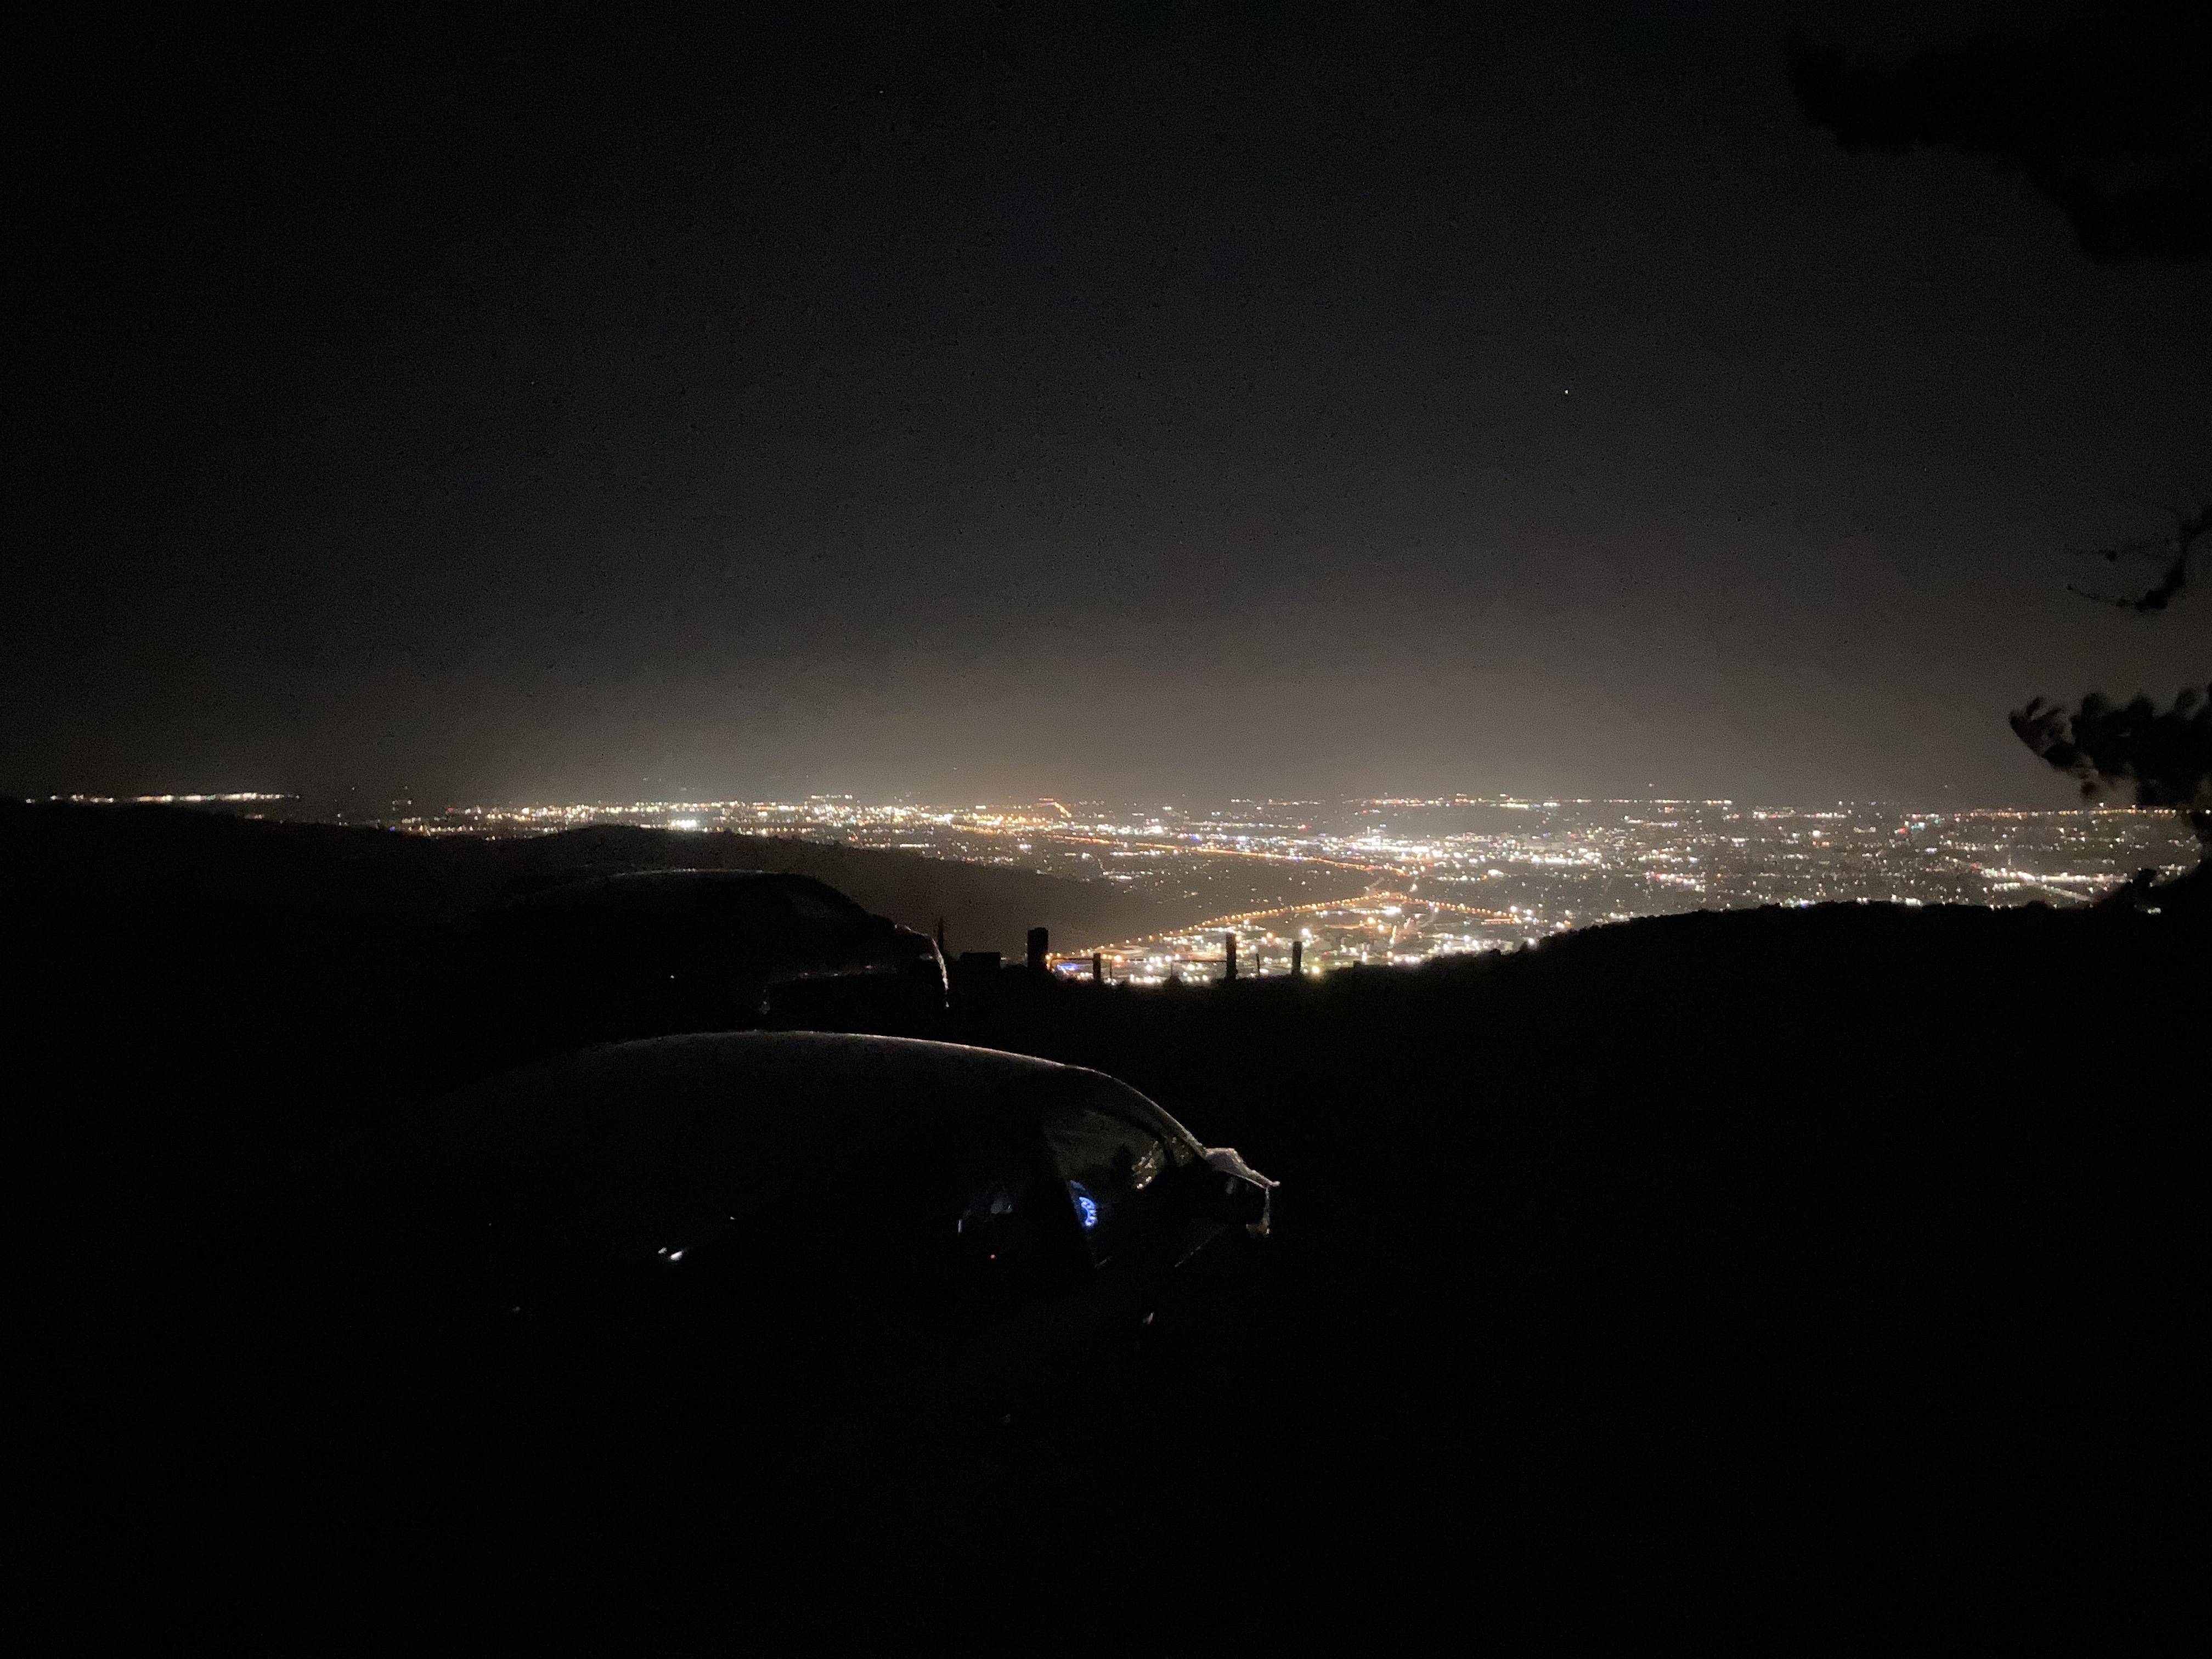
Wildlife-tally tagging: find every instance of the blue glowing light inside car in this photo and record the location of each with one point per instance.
(1085, 1206)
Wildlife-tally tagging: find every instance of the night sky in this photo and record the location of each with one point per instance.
(1152, 401)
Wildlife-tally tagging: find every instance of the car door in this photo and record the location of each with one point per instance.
(1115, 1170)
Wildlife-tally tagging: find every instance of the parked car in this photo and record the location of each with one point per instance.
(700, 1299)
(951, 1184)
(750, 1226)
(648, 952)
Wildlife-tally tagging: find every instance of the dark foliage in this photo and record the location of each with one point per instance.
(2174, 555)
(2155, 756)
(2108, 115)
(1795, 1276)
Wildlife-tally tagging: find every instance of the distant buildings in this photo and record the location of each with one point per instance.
(1402, 880)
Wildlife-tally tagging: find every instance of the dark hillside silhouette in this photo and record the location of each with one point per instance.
(174, 859)
(1824, 1276)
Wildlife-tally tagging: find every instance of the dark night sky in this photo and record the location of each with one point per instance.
(1512, 398)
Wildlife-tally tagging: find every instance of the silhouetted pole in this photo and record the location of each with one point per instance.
(1298, 957)
(1229, 958)
(1040, 942)
(1097, 967)
(940, 936)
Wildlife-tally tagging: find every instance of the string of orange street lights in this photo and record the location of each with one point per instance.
(1184, 846)
(1221, 923)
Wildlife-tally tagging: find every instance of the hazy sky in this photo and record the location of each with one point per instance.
(1184, 400)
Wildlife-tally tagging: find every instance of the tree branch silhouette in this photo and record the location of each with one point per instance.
(2105, 115)
(2177, 552)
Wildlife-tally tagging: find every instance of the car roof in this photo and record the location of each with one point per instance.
(813, 1072)
(777, 1060)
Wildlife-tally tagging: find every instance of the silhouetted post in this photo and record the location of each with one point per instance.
(1040, 942)
(940, 936)
(1298, 959)
(1097, 967)
(1228, 958)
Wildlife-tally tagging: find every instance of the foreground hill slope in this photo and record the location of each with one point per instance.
(1821, 1274)
(1828, 1277)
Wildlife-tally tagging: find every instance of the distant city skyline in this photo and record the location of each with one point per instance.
(1395, 879)
(520, 811)
(1402, 878)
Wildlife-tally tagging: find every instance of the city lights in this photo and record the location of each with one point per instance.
(1399, 879)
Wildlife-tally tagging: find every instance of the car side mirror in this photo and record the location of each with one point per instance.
(1234, 1193)
(1235, 1203)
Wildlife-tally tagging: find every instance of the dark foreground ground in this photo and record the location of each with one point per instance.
(1827, 1280)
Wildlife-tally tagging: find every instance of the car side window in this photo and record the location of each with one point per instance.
(1109, 1164)
(1013, 1233)
(819, 908)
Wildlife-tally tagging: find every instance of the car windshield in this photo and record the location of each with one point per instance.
(1107, 1155)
